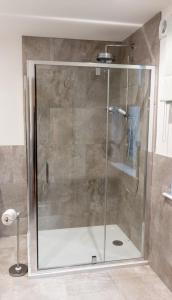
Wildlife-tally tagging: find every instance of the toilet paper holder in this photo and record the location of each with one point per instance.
(17, 269)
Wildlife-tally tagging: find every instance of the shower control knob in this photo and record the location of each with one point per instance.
(111, 108)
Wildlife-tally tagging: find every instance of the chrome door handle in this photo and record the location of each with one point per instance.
(47, 172)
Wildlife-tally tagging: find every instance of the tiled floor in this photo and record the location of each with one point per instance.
(138, 283)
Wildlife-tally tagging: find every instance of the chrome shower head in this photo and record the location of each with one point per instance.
(105, 57)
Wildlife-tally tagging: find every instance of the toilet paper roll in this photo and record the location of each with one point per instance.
(9, 216)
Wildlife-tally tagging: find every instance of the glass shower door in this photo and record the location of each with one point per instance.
(71, 161)
(129, 95)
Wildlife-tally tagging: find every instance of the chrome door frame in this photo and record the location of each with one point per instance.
(32, 153)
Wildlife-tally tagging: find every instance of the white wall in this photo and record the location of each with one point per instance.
(164, 129)
(11, 91)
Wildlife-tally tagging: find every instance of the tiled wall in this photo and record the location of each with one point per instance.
(160, 245)
(13, 185)
(71, 116)
(62, 49)
(161, 220)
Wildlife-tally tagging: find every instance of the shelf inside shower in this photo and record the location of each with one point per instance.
(125, 168)
(77, 246)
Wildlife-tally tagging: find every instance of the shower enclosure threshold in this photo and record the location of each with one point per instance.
(88, 268)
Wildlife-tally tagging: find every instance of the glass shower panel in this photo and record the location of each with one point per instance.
(71, 160)
(129, 94)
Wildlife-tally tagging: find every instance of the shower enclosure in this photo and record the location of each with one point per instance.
(87, 145)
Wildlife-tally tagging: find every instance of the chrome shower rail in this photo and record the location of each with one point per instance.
(32, 63)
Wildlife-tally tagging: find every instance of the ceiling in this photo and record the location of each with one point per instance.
(90, 19)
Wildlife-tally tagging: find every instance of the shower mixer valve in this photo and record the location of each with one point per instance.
(117, 109)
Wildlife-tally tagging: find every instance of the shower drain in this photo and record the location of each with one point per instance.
(117, 243)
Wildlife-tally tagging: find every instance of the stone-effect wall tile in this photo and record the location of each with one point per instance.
(13, 185)
(71, 119)
(160, 254)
